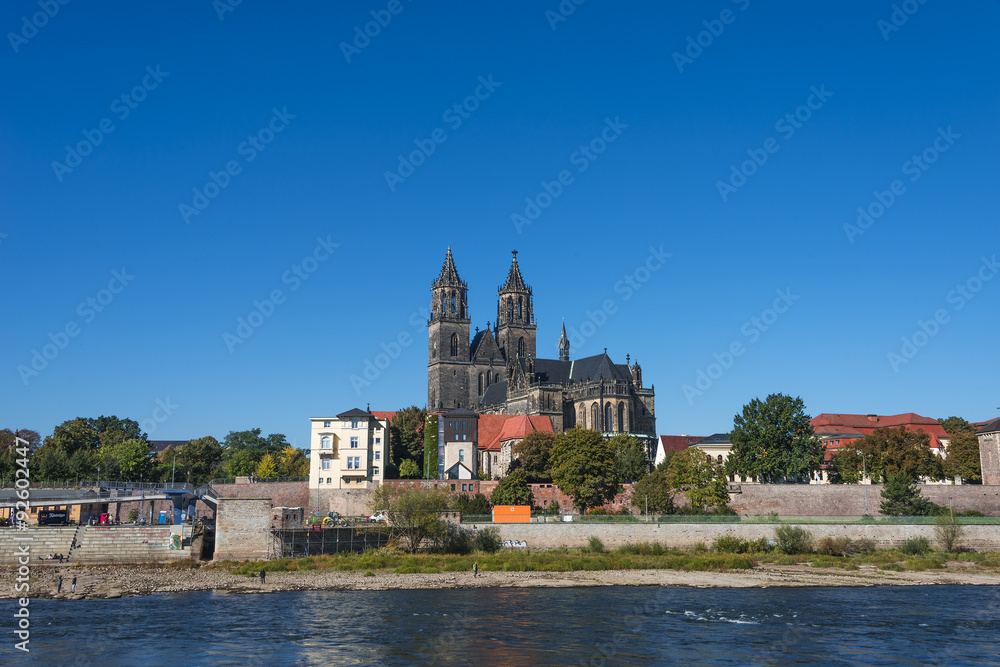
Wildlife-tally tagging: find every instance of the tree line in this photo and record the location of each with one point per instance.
(110, 448)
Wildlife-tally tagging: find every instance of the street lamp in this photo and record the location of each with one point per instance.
(173, 469)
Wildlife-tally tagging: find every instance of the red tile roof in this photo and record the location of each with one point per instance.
(494, 430)
(381, 414)
(858, 426)
(678, 443)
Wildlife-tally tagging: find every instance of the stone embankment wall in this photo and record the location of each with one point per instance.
(686, 535)
(282, 494)
(849, 499)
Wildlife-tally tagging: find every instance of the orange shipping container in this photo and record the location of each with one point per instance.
(512, 514)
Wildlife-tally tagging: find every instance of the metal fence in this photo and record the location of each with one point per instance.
(303, 542)
(259, 480)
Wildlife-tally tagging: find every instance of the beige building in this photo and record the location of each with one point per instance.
(348, 451)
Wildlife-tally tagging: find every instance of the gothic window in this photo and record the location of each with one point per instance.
(443, 308)
(480, 384)
(608, 414)
(453, 302)
(583, 416)
(621, 417)
(518, 307)
(454, 345)
(487, 378)
(496, 377)
(510, 309)
(594, 424)
(520, 346)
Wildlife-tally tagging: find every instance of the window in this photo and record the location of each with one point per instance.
(378, 455)
(357, 462)
(326, 464)
(329, 480)
(326, 424)
(480, 384)
(378, 441)
(463, 487)
(453, 302)
(320, 480)
(375, 471)
(371, 441)
(324, 442)
(454, 345)
(520, 346)
(621, 417)
(720, 458)
(354, 463)
(463, 426)
(593, 417)
(496, 377)
(463, 436)
(354, 422)
(518, 307)
(608, 414)
(461, 455)
(354, 443)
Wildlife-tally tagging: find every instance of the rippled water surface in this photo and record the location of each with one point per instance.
(946, 625)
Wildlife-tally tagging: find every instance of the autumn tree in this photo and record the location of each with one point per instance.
(583, 466)
(963, 458)
(887, 451)
(690, 473)
(267, 467)
(414, 514)
(293, 462)
(774, 441)
(534, 454)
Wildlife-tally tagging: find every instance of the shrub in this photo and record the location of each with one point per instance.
(948, 531)
(919, 564)
(730, 544)
(133, 516)
(915, 546)
(700, 548)
(793, 539)
(594, 545)
(458, 541)
(488, 540)
(834, 546)
(864, 545)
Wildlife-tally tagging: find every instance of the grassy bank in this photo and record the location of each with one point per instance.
(559, 560)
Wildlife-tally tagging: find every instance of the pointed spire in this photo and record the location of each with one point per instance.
(449, 274)
(515, 283)
(563, 344)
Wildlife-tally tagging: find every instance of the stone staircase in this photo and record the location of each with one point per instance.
(95, 544)
(47, 540)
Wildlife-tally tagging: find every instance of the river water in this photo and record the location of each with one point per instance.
(942, 625)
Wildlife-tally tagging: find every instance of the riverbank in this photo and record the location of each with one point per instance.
(114, 581)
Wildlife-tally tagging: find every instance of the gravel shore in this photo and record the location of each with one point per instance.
(113, 581)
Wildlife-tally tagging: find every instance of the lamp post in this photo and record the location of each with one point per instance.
(98, 479)
(173, 469)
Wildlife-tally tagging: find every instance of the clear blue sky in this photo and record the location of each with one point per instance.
(886, 95)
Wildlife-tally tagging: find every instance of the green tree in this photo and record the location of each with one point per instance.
(901, 497)
(630, 458)
(243, 450)
(774, 441)
(889, 450)
(414, 514)
(948, 531)
(583, 466)
(963, 457)
(513, 490)
(10, 454)
(653, 492)
(408, 469)
(700, 478)
(953, 425)
(202, 457)
(430, 457)
(466, 504)
(534, 452)
(406, 437)
(267, 467)
(241, 463)
(127, 460)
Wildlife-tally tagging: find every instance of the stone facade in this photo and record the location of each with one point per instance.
(989, 451)
(242, 529)
(281, 494)
(499, 371)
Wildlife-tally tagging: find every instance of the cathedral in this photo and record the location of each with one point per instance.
(497, 371)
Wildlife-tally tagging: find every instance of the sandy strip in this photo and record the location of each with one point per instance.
(113, 581)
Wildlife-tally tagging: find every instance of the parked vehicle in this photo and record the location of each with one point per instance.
(379, 517)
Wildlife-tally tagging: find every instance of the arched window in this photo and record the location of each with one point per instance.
(325, 442)
(453, 302)
(510, 308)
(594, 424)
(720, 458)
(608, 414)
(520, 346)
(518, 307)
(454, 345)
(496, 377)
(583, 416)
(488, 374)
(444, 308)
(480, 384)
(621, 417)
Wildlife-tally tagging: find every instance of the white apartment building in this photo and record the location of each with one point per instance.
(348, 451)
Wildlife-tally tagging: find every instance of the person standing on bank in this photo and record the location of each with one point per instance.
(262, 575)
(475, 569)
(59, 584)
(73, 586)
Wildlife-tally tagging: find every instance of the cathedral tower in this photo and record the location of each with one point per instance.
(515, 316)
(448, 341)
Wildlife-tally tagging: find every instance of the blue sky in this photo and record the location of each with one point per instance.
(308, 129)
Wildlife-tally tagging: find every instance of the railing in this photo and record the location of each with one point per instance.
(260, 480)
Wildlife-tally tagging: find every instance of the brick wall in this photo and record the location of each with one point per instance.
(282, 494)
(242, 529)
(989, 456)
(543, 493)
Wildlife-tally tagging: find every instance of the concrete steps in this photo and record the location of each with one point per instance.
(95, 544)
(48, 540)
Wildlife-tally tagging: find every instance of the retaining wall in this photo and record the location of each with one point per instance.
(849, 499)
(282, 494)
(242, 529)
(685, 535)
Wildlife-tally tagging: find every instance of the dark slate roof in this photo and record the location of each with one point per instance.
(716, 439)
(990, 426)
(356, 412)
(449, 274)
(39, 496)
(553, 370)
(494, 394)
(157, 446)
(597, 367)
